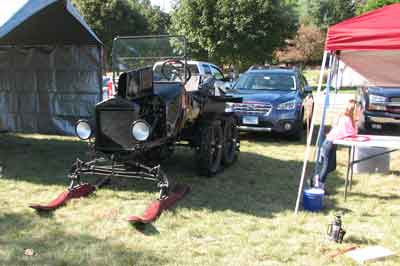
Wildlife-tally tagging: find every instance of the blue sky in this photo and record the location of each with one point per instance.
(9, 8)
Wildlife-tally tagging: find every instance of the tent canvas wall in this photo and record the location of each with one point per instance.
(50, 69)
(370, 45)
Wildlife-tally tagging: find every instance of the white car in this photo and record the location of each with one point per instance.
(198, 68)
(199, 71)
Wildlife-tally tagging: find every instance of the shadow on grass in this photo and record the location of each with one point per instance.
(52, 245)
(146, 229)
(258, 185)
(375, 196)
(361, 240)
(43, 161)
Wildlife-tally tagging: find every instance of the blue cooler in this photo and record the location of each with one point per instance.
(313, 199)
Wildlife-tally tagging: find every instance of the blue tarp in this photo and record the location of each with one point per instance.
(50, 68)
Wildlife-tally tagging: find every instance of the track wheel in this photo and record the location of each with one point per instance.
(166, 184)
(209, 153)
(230, 149)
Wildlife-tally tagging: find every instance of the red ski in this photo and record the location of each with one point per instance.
(155, 209)
(82, 190)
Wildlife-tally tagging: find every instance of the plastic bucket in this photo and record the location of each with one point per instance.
(313, 199)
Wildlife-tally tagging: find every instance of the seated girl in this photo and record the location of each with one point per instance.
(345, 127)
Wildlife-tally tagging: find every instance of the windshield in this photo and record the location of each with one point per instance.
(266, 81)
(131, 53)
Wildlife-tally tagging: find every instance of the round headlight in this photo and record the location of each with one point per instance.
(140, 130)
(83, 129)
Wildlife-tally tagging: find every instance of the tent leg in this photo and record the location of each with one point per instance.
(310, 135)
(326, 105)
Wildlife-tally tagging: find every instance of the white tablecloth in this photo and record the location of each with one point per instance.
(374, 141)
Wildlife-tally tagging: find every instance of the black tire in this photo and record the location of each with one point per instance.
(230, 149)
(209, 153)
(296, 135)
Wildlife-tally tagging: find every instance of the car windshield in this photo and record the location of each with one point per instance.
(266, 81)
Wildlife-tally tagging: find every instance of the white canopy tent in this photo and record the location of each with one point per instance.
(370, 45)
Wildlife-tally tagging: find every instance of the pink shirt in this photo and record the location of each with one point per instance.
(343, 129)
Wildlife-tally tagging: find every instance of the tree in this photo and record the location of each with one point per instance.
(241, 32)
(157, 20)
(323, 13)
(369, 5)
(307, 47)
(111, 18)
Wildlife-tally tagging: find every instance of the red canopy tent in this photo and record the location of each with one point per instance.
(370, 45)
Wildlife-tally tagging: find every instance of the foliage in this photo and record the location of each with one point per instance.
(157, 20)
(241, 32)
(110, 18)
(323, 13)
(307, 46)
(374, 4)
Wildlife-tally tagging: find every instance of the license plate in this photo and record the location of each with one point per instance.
(250, 120)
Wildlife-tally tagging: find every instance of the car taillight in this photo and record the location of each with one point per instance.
(110, 88)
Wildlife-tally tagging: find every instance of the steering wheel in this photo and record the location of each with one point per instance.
(178, 70)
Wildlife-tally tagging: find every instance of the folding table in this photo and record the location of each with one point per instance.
(376, 141)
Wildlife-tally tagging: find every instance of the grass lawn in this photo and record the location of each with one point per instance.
(244, 216)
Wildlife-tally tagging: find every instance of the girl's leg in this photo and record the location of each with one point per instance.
(324, 170)
(326, 158)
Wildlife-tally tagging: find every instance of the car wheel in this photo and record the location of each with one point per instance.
(231, 140)
(209, 153)
(297, 133)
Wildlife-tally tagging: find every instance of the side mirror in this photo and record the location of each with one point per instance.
(228, 85)
(307, 89)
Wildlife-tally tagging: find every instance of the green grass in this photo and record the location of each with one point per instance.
(243, 216)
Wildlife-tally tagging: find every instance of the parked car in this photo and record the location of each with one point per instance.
(274, 99)
(108, 88)
(379, 106)
(200, 69)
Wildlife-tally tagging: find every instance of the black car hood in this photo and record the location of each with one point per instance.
(385, 91)
(276, 96)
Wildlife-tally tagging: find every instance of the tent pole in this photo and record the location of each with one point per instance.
(326, 105)
(336, 70)
(310, 135)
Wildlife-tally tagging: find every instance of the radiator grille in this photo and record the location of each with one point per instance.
(114, 131)
(252, 108)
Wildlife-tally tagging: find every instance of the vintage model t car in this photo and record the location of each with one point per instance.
(151, 112)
